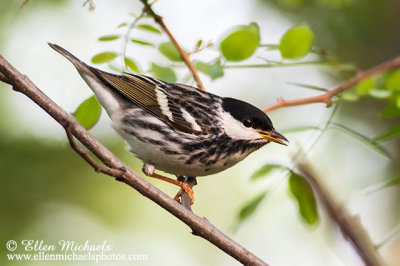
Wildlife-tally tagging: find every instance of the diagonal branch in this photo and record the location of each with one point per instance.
(199, 226)
(326, 98)
(349, 225)
(158, 19)
(3, 78)
(85, 155)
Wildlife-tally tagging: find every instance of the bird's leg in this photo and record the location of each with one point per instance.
(178, 195)
(184, 197)
(148, 170)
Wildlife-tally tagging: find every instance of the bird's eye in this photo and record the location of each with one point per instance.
(248, 122)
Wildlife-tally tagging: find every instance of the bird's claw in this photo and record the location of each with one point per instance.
(186, 188)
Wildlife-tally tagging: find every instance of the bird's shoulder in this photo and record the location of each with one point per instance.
(196, 105)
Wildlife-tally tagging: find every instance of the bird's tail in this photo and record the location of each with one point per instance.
(81, 66)
(107, 96)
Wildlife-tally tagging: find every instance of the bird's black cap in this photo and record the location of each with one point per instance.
(248, 114)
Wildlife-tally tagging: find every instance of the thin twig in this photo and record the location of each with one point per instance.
(389, 237)
(24, 3)
(326, 97)
(199, 226)
(90, 4)
(85, 155)
(277, 64)
(185, 57)
(349, 225)
(126, 37)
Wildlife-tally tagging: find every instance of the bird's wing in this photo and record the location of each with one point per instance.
(146, 93)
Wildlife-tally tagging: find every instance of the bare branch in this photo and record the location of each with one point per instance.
(85, 155)
(199, 226)
(4, 78)
(326, 98)
(349, 225)
(185, 57)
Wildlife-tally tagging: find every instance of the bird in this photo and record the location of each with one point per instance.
(177, 128)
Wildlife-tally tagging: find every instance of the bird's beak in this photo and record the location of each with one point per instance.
(273, 136)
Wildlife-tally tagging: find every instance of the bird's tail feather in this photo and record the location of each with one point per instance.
(81, 66)
(107, 96)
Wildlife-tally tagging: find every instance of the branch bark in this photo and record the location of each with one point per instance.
(116, 168)
(349, 225)
(326, 97)
(158, 19)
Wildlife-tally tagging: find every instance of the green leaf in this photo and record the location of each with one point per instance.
(169, 50)
(109, 38)
(198, 45)
(384, 184)
(391, 182)
(142, 42)
(392, 133)
(265, 170)
(214, 70)
(88, 112)
(103, 57)
(350, 96)
(305, 198)
(149, 28)
(122, 25)
(380, 94)
(296, 42)
(398, 101)
(241, 43)
(391, 110)
(367, 141)
(299, 129)
(248, 209)
(393, 81)
(364, 86)
(131, 64)
(163, 73)
(307, 86)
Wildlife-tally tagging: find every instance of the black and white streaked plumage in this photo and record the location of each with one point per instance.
(177, 128)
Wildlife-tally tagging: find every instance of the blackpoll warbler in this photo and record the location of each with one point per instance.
(177, 128)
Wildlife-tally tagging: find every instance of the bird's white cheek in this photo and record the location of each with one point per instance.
(235, 129)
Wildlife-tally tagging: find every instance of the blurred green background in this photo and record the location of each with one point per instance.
(49, 193)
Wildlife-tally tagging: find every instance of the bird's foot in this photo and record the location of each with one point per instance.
(149, 170)
(185, 188)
